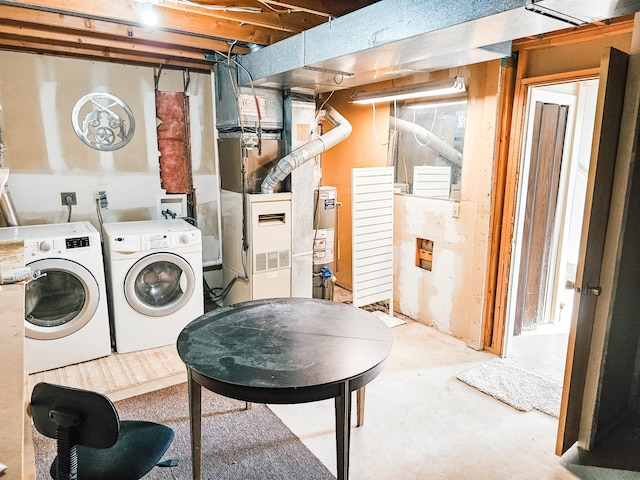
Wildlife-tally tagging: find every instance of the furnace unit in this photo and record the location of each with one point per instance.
(256, 227)
(260, 257)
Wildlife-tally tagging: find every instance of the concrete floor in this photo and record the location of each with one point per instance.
(421, 422)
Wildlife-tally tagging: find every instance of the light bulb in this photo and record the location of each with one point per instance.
(149, 16)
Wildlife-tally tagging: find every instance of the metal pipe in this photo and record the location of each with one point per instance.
(340, 131)
(431, 140)
(6, 204)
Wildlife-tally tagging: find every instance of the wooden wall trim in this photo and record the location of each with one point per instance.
(568, 36)
(498, 188)
(563, 77)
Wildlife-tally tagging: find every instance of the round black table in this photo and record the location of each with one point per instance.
(283, 351)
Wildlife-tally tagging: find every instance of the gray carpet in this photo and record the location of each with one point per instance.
(514, 386)
(236, 443)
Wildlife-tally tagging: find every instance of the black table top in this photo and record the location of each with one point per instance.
(285, 350)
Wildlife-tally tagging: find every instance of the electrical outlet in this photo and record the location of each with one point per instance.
(455, 209)
(101, 199)
(68, 198)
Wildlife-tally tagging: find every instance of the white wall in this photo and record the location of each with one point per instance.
(46, 157)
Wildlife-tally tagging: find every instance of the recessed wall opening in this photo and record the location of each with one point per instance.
(424, 253)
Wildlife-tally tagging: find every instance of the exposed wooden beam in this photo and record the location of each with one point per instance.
(321, 8)
(287, 22)
(105, 54)
(57, 37)
(170, 20)
(48, 22)
(567, 36)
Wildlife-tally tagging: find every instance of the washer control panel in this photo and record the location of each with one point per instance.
(59, 246)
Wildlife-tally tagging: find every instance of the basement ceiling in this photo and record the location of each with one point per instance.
(402, 38)
(112, 30)
(318, 45)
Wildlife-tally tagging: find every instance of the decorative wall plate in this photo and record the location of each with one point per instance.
(103, 121)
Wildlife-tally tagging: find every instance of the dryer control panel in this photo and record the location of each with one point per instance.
(163, 241)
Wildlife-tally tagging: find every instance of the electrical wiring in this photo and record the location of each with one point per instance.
(375, 132)
(404, 163)
(220, 8)
(69, 202)
(228, 60)
(284, 10)
(325, 101)
(433, 124)
(98, 212)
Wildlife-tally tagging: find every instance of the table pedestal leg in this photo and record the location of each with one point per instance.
(343, 430)
(195, 418)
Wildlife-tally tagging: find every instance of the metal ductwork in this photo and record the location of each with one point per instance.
(341, 130)
(397, 38)
(428, 139)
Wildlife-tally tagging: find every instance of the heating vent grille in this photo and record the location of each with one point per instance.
(261, 262)
(272, 260)
(283, 256)
(271, 218)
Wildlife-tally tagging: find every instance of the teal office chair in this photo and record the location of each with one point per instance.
(93, 443)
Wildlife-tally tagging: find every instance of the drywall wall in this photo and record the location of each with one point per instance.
(46, 157)
(449, 297)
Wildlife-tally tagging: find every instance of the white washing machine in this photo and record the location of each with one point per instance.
(66, 316)
(154, 277)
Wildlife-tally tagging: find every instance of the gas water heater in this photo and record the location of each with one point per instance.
(324, 242)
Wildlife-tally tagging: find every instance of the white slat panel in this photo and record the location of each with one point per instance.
(374, 260)
(432, 181)
(372, 235)
(384, 219)
(376, 229)
(371, 242)
(371, 253)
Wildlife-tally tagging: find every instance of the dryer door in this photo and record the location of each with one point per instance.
(159, 284)
(61, 301)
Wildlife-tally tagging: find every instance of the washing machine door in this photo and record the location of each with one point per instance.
(61, 301)
(159, 284)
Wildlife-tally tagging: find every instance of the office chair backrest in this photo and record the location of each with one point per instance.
(93, 443)
(90, 416)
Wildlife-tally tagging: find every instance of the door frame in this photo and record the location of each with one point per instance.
(507, 173)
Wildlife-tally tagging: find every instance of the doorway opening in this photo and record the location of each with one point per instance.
(548, 224)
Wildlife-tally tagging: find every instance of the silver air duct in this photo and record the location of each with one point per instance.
(340, 131)
(424, 136)
(6, 204)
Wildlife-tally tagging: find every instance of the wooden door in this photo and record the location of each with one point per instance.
(548, 135)
(613, 73)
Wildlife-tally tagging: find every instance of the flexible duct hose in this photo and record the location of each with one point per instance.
(433, 141)
(341, 130)
(6, 203)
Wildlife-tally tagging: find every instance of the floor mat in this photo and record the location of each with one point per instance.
(514, 386)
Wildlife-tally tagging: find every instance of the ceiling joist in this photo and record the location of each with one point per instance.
(186, 31)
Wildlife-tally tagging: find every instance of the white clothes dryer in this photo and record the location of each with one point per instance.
(154, 276)
(66, 315)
